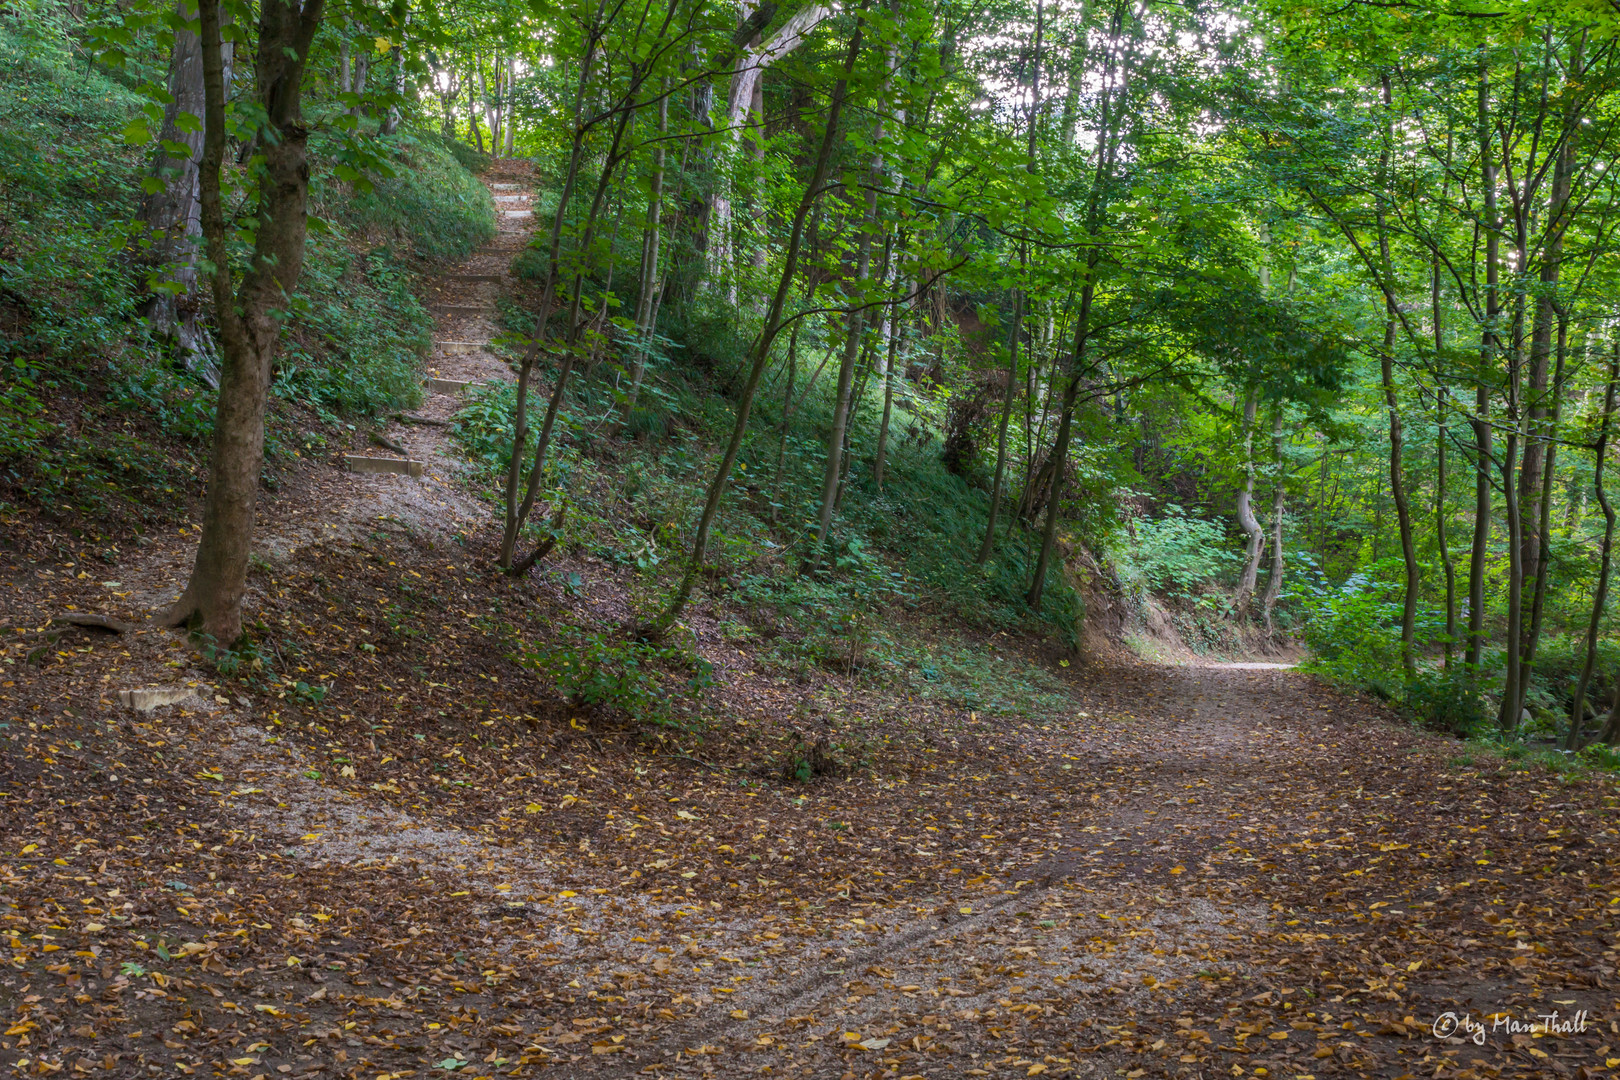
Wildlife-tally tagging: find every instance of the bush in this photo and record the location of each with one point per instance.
(1172, 555)
(633, 677)
(1446, 700)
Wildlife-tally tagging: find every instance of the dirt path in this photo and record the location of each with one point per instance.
(1178, 909)
(1183, 871)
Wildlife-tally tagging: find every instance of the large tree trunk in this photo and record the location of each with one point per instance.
(855, 331)
(249, 316)
(1600, 595)
(1543, 511)
(1059, 461)
(1539, 433)
(749, 67)
(767, 336)
(173, 213)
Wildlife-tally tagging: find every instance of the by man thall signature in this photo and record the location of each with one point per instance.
(1449, 1025)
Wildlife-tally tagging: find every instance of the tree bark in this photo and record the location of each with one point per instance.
(1386, 367)
(1538, 445)
(174, 214)
(249, 316)
(1274, 579)
(1252, 531)
(1600, 595)
(746, 72)
(1481, 423)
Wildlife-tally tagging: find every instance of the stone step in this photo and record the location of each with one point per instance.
(155, 697)
(459, 348)
(490, 279)
(398, 466)
(499, 250)
(447, 386)
(461, 309)
(518, 213)
(511, 198)
(506, 187)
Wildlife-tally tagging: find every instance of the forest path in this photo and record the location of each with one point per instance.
(1222, 838)
(330, 506)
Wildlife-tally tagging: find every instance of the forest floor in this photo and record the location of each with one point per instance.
(392, 854)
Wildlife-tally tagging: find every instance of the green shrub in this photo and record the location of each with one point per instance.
(1172, 555)
(1446, 700)
(637, 678)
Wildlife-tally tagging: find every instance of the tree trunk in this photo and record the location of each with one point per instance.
(1543, 510)
(746, 72)
(1274, 579)
(1600, 595)
(391, 119)
(173, 214)
(472, 114)
(855, 331)
(511, 112)
(1256, 536)
(649, 260)
(1538, 445)
(881, 457)
(1482, 400)
(517, 518)
(1059, 460)
(998, 484)
(767, 335)
(1386, 367)
(249, 315)
(787, 411)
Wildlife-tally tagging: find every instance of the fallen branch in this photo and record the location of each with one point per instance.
(386, 443)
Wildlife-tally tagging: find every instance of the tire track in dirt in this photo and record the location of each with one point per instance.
(1135, 871)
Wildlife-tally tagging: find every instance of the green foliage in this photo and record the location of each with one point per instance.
(1446, 700)
(1173, 555)
(432, 206)
(354, 347)
(637, 678)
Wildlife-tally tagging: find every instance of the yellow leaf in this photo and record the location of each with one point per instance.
(1036, 1069)
(533, 808)
(1178, 869)
(567, 801)
(686, 815)
(383, 44)
(573, 722)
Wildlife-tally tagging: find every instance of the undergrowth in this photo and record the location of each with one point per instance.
(97, 420)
